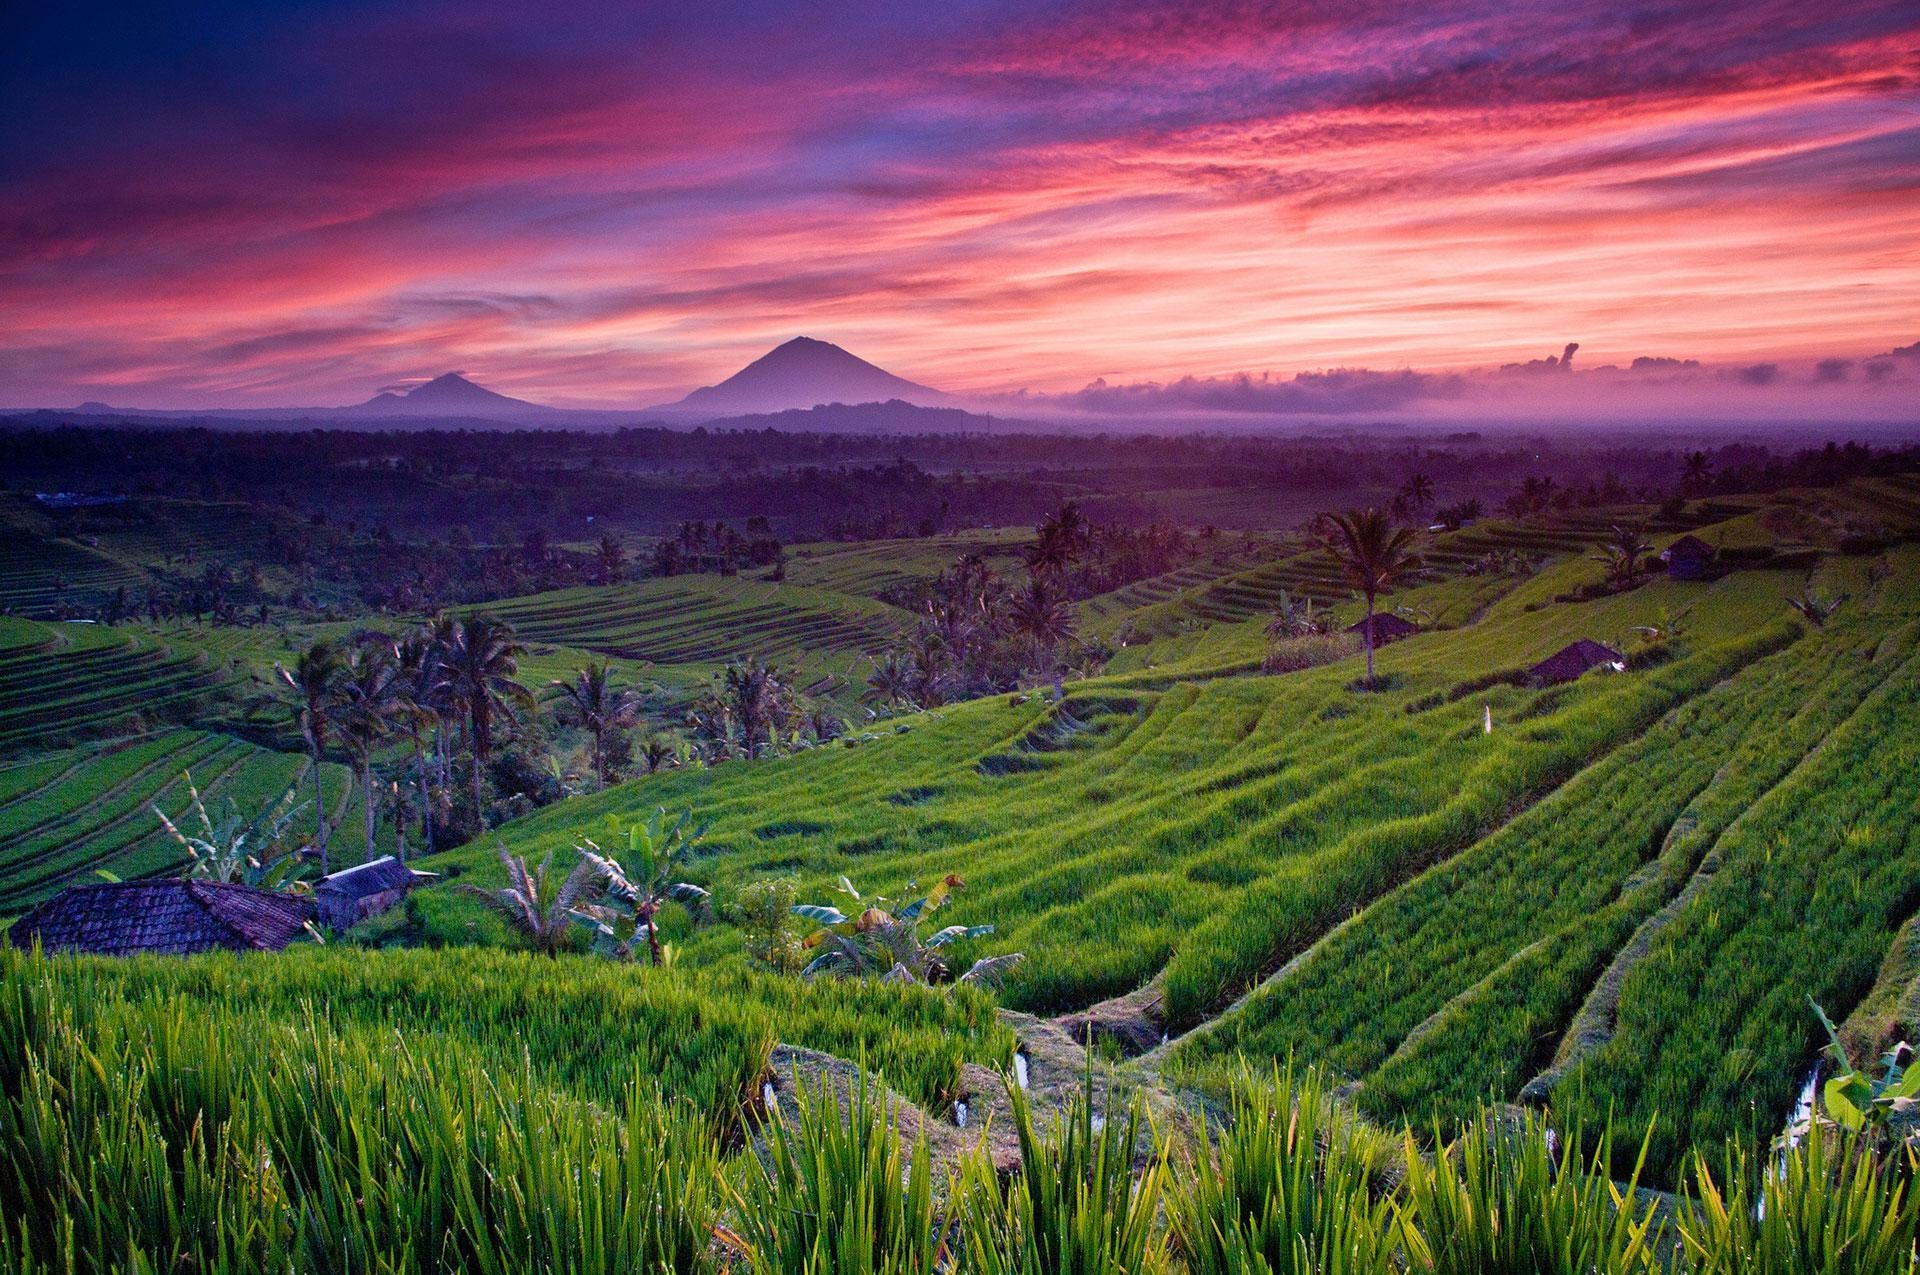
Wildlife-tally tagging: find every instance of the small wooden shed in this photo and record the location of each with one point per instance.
(1688, 558)
(1575, 659)
(347, 897)
(1387, 627)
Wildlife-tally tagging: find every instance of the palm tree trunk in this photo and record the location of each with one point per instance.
(399, 825)
(366, 783)
(477, 738)
(426, 794)
(1367, 632)
(320, 815)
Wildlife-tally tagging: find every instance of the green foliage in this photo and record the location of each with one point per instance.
(1077, 1206)
(1497, 1201)
(886, 942)
(237, 849)
(1622, 553)
(1860, 1101)
(1295, 617)
(839, 1191)
(1818, 1207)
(539, 905)
(624, 903)
(321, 1147)
(413, 1112)
(769, 929)
(1293, 1185)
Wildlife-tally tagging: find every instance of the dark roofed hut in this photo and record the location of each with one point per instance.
(1387, 627)
(1570, 661)
(173, 917)
(348, 897)
(1688, 558)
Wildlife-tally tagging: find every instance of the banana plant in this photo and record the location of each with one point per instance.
(1664, 627)
(877, 940)
(1297, 617)
(1814, 609)
(628, 901)
(1863, 1103)
(237, 849)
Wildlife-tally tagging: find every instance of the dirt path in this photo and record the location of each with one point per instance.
(1052, 1062)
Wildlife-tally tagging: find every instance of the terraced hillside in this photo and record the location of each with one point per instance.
(158, 532)
(65, 682)
(871, 568)
(1457, 886)
(41, 573)
(1376, 881)
(77, 558)
(1308, 572)
(708, 620)
(66, 814)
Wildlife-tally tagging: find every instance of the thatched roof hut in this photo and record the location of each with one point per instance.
(1387, 627)
(174, 917)
(1688, 558)
(1576, 658)
(350, 896)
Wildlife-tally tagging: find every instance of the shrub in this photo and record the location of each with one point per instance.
(1292, 654)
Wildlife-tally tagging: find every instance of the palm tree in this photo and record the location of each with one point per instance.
(533, 905)
(481, 664)
(1418, 491)
(1072, 526)
(311, 682)
(891, 681)
(1697, 475)
(421, 708)
(1042, 616)
(611, 559)
(1621, 552)
(1062, 538)
(368, 694)
(600, 708)
(757, 696)
(1372, 554)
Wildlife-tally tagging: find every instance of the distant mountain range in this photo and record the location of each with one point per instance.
(816, 381)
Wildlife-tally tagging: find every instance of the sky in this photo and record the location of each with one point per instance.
(1107, 205)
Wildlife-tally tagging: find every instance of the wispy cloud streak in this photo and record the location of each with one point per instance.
(255, 205)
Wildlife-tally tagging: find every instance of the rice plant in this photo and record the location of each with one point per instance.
(1502, 1200)
(1077, 1205)
(1828, 1205)
(836, 1190)
(1291, 1186)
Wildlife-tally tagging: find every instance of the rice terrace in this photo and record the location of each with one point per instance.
(1225, 751)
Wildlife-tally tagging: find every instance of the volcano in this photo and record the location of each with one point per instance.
(448, 395)
(804, 373)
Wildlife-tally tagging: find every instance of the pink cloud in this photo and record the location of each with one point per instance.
(1146, 191)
